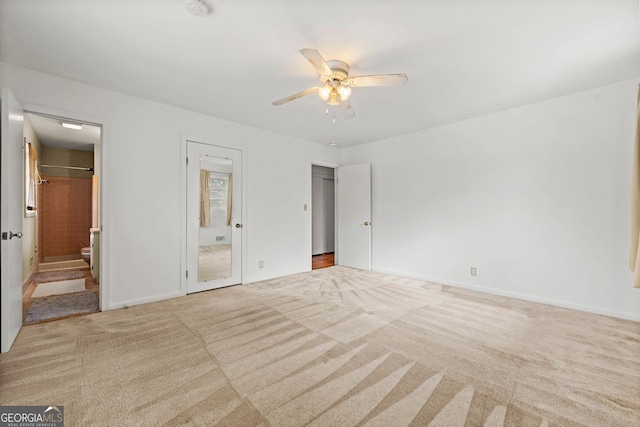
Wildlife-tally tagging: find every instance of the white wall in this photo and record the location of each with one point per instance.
(279, 186)
(141, 179)
(536, 198)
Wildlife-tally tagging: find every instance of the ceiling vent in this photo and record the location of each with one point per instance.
(196, 7)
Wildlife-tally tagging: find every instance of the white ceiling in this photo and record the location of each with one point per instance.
(51, 133)
(464, 58)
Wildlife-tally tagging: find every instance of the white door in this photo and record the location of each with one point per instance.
(214, 217)
(11, 220)
(354, 216)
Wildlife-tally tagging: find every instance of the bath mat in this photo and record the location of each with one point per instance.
(61, 306)
(56, 288)
(55, 276)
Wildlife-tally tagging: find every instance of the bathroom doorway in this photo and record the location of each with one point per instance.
(322, 217)
(61, 226)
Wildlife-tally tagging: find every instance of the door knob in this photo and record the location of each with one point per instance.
(12, 235)
(366, 223)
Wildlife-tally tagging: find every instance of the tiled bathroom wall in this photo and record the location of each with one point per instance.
(64, 218)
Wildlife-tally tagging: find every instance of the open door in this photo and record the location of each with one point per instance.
(354, 216)
(11, 179)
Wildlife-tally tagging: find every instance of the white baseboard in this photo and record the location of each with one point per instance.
(526, 297)
(131, 303)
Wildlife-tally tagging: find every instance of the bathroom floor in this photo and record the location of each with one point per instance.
(55, 276)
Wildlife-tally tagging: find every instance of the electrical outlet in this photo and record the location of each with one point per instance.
(474, 271)
(261, 264)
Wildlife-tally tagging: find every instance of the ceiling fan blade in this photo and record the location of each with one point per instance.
(379, 80)
(317, 61)
(296, 96)
(347, 110)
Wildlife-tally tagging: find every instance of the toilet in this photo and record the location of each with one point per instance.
(85, 253)
(91, 254)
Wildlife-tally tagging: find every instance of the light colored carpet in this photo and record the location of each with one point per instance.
(214, 262)
(56, 288)
(333, 347)
(54, 307)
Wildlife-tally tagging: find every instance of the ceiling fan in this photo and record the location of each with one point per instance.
(337, 84)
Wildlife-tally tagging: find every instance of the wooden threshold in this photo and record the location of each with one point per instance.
(322, 261)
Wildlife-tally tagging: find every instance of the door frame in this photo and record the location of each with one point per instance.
(333, 166)
(104, 186)
(184, 138)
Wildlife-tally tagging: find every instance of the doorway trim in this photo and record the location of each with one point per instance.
(333, 166)
(184, 138)
(104, 187)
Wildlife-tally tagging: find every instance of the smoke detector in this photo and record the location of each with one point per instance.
(196, 7)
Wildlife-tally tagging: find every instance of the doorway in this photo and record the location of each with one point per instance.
(322, 217)
(214, 216)
(345, 215)
(61, 225)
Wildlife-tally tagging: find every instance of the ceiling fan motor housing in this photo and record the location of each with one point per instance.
(340, 71)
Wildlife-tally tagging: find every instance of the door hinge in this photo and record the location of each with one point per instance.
(187, 160)
(187, 273)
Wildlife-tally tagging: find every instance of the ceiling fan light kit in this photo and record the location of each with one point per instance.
(336, 83)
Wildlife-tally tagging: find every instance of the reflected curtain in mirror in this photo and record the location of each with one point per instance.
(31, 178)
(205, 198)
